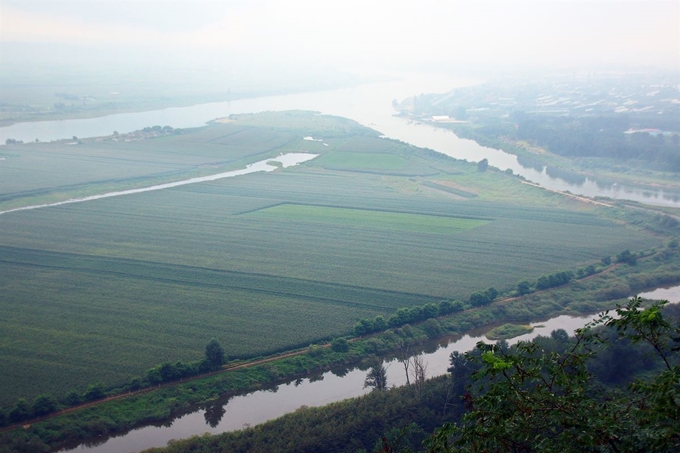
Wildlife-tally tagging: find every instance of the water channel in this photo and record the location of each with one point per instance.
(254, 408)
(286, 160)
(369, 104)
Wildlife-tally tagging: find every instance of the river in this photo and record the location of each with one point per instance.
(368, 104)
(257, 407)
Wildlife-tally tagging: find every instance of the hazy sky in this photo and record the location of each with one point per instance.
(365, 33)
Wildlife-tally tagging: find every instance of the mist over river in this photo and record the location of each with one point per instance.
(369, 104)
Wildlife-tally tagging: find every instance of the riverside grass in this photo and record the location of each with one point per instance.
(103, 290)
(167, 403)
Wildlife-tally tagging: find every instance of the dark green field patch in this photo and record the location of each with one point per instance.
(367, 218)
(451, 190)
(363, 161)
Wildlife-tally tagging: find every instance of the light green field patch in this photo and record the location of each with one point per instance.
(363, 161)
(371, 219)
(507, 331)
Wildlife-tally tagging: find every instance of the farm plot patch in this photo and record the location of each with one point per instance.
(378, 162)
(370, 218)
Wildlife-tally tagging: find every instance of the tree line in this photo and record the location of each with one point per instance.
(46, 404)
(551, 394)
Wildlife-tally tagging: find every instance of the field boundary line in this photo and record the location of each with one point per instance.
(569, 195)
(255, 362)
(224, 369)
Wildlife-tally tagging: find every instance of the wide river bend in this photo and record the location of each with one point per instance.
(368, 104)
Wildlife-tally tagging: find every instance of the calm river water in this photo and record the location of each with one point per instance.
(251, 409)
(369, 104)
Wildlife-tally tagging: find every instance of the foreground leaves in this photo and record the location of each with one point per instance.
(527, 399)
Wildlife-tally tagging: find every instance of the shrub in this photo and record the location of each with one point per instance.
(340, 345)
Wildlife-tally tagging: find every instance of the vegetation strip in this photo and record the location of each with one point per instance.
(359, 345)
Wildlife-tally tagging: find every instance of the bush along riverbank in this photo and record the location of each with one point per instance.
(599, 291)
(608, 388)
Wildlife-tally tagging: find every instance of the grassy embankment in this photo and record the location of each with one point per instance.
(605, 171)
(598, 292)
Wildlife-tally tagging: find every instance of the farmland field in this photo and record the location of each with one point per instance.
(103, 290)
(367, 218)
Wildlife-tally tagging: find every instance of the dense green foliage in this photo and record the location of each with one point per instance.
(594, 119)
(531, 398)
(541, 391)
(587, 295)
(597, 137)
(344, 427)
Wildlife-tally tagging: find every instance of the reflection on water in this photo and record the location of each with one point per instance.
(213, 414)
(238, 412)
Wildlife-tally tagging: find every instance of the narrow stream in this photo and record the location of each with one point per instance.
(243, 411)
(286, 160)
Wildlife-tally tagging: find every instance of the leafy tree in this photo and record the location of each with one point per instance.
(554, 280)
(214, 354)
(491, 293)
(94, 392)
(340, 345)
(430, 310)
(135, 384)
(153, 375)
(379, 324)
(527, 399)
(168, 372)
(626, 257)
(44, 404)
(448, 306)
(363, 327)
(415, 313)
(73, 399)
(543, 282)
(479, 299)
(20, 412)
(482, 165)
(432, 328)
(523, 287)
(445, 307)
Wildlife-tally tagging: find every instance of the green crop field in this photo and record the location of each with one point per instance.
(334, 216)
(363, 161)
(103, 290)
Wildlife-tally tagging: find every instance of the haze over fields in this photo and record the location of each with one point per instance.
(204, 198)
(342, 34)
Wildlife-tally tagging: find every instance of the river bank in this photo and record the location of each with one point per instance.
(369, 104)
(319, 369)
(571, 170)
